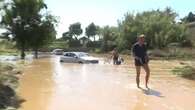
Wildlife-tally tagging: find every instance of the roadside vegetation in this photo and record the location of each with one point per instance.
(186, 72)
(7, 47)
(9, 76)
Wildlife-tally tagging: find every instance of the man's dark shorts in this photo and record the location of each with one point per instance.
(140, 62)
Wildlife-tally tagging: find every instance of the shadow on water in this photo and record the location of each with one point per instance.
(152, 92)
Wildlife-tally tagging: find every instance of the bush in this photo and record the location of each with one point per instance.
(186, 72)
(159, 26)
(97, 50)
(157, 53)
(187, 43)
(94, 44)
(128, 52)
(173, 53)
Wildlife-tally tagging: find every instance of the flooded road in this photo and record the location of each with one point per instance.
(48, 84)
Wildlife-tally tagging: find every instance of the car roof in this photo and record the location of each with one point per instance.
(57, 49)
(76, 53)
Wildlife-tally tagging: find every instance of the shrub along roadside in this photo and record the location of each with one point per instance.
(9, 76)
(186, 72)
(172, 53)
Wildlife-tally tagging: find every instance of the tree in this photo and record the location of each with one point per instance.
(19, 19)
(159, 27)
(110, 35)
(91, 31)
(189, 18)
(43, 33)
(75, 30)
(66, 36)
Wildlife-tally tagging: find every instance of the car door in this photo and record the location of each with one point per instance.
(73, 58)
(66, 57)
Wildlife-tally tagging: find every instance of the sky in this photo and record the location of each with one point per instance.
(107, 12)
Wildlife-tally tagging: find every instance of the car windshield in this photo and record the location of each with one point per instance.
(83, 55)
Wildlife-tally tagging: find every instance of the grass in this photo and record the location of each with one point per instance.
(186, 72)
(7, 48)
(9, 52)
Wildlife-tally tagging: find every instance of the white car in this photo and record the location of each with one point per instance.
(78, 57)
(57, 52)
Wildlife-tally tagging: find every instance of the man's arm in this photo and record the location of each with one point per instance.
(133, 53)
(146, 54)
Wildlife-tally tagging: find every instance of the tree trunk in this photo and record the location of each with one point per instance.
(36, 53)
(23, 53)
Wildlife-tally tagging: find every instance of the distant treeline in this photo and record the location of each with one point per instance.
(160, 27)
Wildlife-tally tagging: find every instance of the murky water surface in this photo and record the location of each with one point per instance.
(48, 84)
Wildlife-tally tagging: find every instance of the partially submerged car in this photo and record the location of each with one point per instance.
(78, 57)
(57, 52)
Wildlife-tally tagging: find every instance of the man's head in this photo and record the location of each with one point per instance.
(141, 38)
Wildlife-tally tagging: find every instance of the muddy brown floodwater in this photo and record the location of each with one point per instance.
(48, 84)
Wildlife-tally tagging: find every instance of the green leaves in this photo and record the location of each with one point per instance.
(186, 72)
(159, 27)
(75, 29)
(30, 25)
(91, 30)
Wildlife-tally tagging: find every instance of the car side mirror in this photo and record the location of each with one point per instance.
(75, 57)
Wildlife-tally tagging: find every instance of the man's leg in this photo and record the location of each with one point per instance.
(147, 70)
(113, 61)
(138, 69)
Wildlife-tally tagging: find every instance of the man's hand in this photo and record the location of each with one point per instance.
(146, 59)
(137, 58)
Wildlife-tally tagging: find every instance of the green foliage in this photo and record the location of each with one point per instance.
(97, 50)
(189, 18)
(172, 53)
(7, 47)
(58, 44)
(8, 84)
(71, 37)
(186, 72)
(75, 30)
(43, 33)
(109, 36)
(66, 36)
(159, 27)
(94, 44)
(28, 27)
(91, 30)
(5, 44)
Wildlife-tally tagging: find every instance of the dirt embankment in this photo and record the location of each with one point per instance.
(9, 76)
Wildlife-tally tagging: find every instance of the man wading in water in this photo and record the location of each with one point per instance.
(141, 59)
(115, 56)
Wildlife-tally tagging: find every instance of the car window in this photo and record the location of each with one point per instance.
(83, 55)
(66, 54)
(70, 54)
